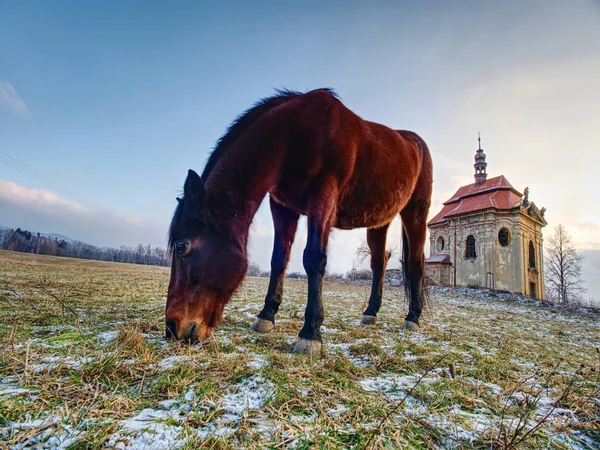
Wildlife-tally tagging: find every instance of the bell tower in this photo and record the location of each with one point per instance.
(480, 164)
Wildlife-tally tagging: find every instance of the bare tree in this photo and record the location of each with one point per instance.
(363, 251)
(563, 268)
(253, 269)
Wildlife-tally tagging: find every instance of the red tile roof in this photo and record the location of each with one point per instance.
(495, 193)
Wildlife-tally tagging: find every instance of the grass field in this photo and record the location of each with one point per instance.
(84, 364)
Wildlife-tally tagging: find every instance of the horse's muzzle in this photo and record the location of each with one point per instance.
(188, 335)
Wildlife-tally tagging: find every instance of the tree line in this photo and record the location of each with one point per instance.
(25, 241)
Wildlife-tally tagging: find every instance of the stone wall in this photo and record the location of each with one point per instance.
(439, 274)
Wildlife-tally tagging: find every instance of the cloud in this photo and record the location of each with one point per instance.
(10, 98)
(45, 211)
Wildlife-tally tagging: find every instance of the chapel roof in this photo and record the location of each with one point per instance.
(494, 193)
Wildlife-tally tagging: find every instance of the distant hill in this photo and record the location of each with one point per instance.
(57, 236)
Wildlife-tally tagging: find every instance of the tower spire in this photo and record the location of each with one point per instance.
(480, 164)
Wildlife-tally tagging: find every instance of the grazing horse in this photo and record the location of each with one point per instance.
(314, 157)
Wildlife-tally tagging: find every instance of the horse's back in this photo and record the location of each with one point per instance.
(375, 168)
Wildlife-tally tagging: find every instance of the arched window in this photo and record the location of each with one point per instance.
(504, 237)
(439, 245)
(531, 255)
(470, 253)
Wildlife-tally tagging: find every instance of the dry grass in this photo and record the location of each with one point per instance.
(82, 354)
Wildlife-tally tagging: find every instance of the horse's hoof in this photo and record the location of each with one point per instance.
(368, 320)
(263, 325)
(410, 326)
(308, 347)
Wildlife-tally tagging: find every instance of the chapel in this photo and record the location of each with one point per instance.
(488, 235)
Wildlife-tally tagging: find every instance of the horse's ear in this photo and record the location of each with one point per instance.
(194, 193)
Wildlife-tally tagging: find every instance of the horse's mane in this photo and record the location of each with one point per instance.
(245, 120)
(234, 131)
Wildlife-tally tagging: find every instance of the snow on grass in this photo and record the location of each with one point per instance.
(108, 336)
(169, 362)
(408, 356)
(53, 362)
(251, 393)
(161, 428)
(337, 411)
(14, 391)
(344, 348)
(53, 433)
(258, 362)
(148, 431)
(393, 386)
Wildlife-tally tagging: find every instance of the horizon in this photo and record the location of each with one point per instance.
(105, 106)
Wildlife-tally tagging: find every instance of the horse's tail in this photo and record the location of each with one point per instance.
(408, 287)
(411, 286)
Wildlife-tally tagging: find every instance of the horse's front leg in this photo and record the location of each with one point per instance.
(315, 260)
(285, 222)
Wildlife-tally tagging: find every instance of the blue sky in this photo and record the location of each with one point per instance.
(114, 101)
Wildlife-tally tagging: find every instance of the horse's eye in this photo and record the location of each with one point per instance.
(182, 248)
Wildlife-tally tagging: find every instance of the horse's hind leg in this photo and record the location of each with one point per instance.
(285, 223)
(414, 229)
(376, 238)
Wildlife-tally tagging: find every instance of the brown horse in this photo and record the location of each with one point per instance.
(314, 157)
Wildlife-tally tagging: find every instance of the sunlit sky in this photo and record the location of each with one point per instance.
(111, 102)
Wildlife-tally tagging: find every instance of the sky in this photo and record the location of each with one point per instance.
(105, 105)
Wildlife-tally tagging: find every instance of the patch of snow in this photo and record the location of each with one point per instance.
(14, 391)
(168, 362)
(108, 336)
(189, 396)
(361, 361)
(392, 386)
(168, 404)
(251, 393)
(343, 347)
(258, 362)
(54, 434)
(408, 356)
(54, 362)
(148, 430)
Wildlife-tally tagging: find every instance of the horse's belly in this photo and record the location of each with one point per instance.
(348, 219)
(371, 208)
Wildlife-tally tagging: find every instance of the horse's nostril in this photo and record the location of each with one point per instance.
(193, 333)
(171, 330)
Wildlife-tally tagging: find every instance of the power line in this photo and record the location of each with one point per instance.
(27, 171)
(17, 165)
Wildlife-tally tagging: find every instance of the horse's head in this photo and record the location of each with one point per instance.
(208, 265)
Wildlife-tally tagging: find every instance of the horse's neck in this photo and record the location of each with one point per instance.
(240, 181)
